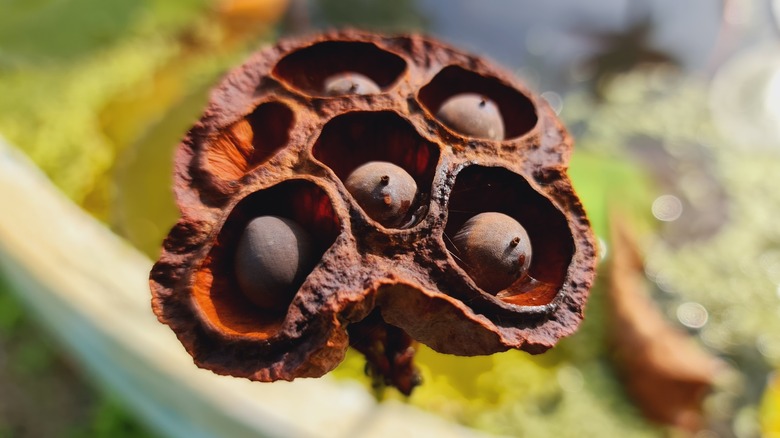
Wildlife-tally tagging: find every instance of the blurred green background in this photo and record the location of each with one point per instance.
(675, 109)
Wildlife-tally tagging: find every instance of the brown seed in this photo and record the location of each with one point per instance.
(473, 115)
(273, 257)
(384, 191)
(494, 250)
(349, 83)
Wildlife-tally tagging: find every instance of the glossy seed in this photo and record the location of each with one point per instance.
(273, 257)
(384, 191)
(494, 249)
(472, 115)
(349, 83)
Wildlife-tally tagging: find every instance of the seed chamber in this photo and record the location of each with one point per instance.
(306, 69)
(216, 292)
(241, 147)
(480, 189)
(353, 139)
(517, 110)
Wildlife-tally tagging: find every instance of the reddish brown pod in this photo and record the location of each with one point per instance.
(374, 191)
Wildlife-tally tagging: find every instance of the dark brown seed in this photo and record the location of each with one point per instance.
(494, 250)
(472, 115)
(384, 191)
(273, 257)
(349, 83)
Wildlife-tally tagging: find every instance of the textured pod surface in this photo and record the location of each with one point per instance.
(273, 142)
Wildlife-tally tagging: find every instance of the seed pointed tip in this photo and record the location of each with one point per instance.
(384, 179)
(515, 241)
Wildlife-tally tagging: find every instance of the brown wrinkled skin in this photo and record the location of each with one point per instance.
(272, 142)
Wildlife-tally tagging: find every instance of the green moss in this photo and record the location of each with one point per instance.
(62, 62)
(144, 209)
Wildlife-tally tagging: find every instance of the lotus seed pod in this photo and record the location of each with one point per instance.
(472, 115)
(494, 249)
(273, 257)
(384, 191)
(350, 83)
(271, 143)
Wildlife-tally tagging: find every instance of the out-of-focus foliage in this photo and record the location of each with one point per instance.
(398, 15)
(770, 410)
(144, 209)
(62, 62)
(38, 382)
(621, 52)
(98, 93)
(729, 276)
(83, 80)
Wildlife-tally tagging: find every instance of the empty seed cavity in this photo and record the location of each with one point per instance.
(248, 143)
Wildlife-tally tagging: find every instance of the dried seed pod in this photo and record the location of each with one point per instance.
(273, 257)
(385, 191)
(349, 83)
(494, 249)
(381, 289)
(473, 115)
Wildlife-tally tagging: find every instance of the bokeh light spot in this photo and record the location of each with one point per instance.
(692, 315)
(667, 208)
